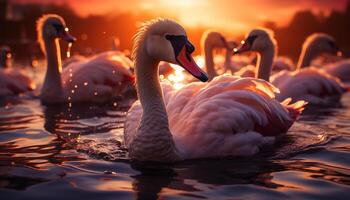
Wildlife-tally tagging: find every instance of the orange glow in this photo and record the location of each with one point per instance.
(237, 15)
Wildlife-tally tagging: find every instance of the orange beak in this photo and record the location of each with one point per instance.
(186, 61)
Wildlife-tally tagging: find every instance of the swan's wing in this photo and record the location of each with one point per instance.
(75, 58)
(283, 63)
(340, 69)
(15, 82)
(248, 71)
(132, 121)
(97, 78)
(228, 116)
(309, 84)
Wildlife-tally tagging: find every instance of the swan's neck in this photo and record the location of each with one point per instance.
(153, 140)
(227, 63)
(52, 88)
(209, 60)
(306, 56)
(264, 64)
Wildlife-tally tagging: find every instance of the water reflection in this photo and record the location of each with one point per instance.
(78, 149)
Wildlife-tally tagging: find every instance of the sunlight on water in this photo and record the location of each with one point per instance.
(177, 78)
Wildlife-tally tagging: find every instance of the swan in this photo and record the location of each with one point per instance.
(13, 81)
(227, 116)
(316, 45)
(313, 85)
(209, 41)
(96, 79)
(325, 44)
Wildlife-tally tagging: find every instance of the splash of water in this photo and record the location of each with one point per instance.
(69, 49)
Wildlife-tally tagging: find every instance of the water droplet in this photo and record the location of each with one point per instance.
(69, 49)
(85, 83)
(75, 86)
(113, 71)
(95, 93)
(72, 91)
(115, 104)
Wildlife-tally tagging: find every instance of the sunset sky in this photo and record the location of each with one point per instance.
(235, 14)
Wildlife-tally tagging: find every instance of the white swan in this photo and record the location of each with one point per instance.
(95, 79)
(228, 116)
(209, 41)
(13, 81)
(310, 84)
(316, 44)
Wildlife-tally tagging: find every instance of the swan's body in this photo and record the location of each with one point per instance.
(228, 116)
(279, 64)
(12, 81)
(310, 84)
(96, 79)
(315, 86)
(340, 69)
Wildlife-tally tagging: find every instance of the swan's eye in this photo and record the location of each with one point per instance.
(333, 45)
(59, 27)
(178, 42)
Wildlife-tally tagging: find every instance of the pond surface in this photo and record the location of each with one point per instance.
(76, 152)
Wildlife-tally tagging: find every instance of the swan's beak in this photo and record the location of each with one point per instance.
(245, 46)
(186, 61)
(64, 35)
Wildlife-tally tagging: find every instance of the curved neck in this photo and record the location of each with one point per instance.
(52, 87)
(209, 60)
(306, 56)
(264, 64)
(227, 63)
(147, 82)
(153, 131)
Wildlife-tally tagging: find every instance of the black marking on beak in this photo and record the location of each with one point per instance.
(183, 50)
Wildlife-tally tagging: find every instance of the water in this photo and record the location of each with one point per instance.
(76, 152)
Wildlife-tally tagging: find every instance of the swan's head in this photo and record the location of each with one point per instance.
(259, 40)
(50, 27)
(321, 43)
(165, 40)
(212, 39)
